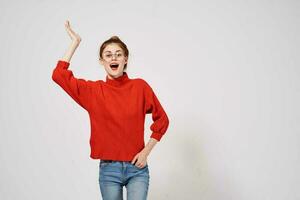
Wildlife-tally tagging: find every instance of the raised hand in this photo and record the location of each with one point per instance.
(76, 39)
(74, 36)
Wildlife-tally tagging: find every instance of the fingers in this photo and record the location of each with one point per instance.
(138, 164)
(141, 165)
(134, 161)
(67, 25)
(74, 36)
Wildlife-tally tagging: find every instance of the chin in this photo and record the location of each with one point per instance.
(116, 73)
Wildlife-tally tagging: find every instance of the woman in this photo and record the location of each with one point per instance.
(117, 109)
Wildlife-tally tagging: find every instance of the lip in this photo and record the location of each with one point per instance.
(114, 63)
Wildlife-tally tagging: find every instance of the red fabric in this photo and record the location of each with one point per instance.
(117, 110)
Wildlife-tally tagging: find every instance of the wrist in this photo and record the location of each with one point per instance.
(146, 151)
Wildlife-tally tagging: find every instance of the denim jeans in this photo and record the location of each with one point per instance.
(113, 175)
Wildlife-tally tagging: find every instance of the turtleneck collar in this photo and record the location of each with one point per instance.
(118, 81)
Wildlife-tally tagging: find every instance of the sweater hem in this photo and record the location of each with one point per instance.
(100, 157)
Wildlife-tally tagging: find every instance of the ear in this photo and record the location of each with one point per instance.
(101, 62)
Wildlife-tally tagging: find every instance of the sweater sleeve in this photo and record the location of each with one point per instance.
(160, 119)
(79, 89)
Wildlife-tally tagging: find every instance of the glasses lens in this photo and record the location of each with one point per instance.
(109, 55)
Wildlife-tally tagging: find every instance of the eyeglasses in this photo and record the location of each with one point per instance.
(109, 56)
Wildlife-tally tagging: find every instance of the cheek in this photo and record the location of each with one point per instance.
(106, 64)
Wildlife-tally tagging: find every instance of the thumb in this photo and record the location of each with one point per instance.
(134, 159)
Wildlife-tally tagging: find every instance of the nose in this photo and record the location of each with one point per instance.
(114, 57)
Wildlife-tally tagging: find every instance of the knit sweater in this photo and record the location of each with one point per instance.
(117, 109)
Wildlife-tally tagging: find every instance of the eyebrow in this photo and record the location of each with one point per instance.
(110, 51)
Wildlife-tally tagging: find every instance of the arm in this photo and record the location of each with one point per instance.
(76, 39)
(158, 127)
(79, 89)
(70, 51)
(160, 119)
(149, 146)
(140, 159)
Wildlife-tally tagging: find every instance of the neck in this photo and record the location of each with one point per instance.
(117, 81)
(111, 77)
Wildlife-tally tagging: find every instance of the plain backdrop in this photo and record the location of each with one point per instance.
(226, 73)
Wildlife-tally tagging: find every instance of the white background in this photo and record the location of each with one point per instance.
(226, 73)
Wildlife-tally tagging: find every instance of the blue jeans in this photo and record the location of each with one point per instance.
(113, 175)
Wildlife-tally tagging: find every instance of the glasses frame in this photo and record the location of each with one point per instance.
(113, 55)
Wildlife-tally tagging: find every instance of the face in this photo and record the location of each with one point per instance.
(113, 59)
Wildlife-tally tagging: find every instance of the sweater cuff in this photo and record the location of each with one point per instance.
(156, 136)
(63, 64)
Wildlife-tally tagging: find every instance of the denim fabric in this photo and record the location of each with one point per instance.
(113, 175)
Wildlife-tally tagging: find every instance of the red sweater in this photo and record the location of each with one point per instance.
(117, 110)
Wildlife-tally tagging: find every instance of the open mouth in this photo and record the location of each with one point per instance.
(114, 66)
